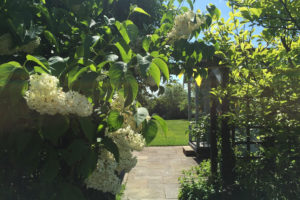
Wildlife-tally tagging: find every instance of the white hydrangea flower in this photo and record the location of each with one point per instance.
(46, 97)
(104, 177)
(78, 104)
(184, 25)
(127, 138)
(127, 161)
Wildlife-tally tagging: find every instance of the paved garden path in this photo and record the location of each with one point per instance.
(156, 174)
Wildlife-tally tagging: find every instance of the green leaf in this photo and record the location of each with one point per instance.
(88, 127)
(140, 10)
(131, 89)
(69, 191)
(122, 29)
(153, 70)
(116, 72)
(149, 130)
(132, 30)
(162, 123)
(74, 74)
(146, 43)
(125, 51)
(144, 64)
(75, 152)
(88, 164)
(115, 120)
(162, 66)
(57, 65)
(190, 4)
(50, 169)
(53, 127)
(256, 11)
(39, 60)
(51, 38)
(111, 147)
(6, 72)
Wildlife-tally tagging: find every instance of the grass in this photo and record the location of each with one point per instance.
(120, 194)
(175, 136)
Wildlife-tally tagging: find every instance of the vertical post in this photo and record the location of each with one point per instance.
(189, 108)
(213, 127)
(227, 161)
(247, 127)
(197, 113)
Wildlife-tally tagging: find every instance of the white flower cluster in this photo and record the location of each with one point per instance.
(184, 25)
(7, 46)
(46, 97)
(104, 177)
(127, 138)
(117, 102)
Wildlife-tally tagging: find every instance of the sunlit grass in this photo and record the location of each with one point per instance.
(175, 136)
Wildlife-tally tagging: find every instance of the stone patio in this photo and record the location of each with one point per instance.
(156, 174)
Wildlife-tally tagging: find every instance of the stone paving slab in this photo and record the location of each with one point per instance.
(155, 177)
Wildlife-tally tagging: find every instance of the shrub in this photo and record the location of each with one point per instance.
(196, 183)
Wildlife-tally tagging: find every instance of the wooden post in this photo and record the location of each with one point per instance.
(197, 113)
(189, 108)
(213, 128)
(227, 160)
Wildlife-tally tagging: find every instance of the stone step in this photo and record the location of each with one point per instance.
(188, 151)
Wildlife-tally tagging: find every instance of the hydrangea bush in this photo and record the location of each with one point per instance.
(64, 135)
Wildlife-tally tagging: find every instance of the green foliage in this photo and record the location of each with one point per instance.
(196, 184)
(172, 104)
(97, 48)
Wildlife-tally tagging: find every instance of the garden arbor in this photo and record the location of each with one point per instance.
(205, 143)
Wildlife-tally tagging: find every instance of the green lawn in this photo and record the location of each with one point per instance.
(175, 136)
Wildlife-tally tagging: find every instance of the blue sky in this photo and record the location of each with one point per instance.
(201, 4)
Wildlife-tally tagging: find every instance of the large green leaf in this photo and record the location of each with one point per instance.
(161, 122)
(131, 89)
(50, 169)
(57, 65)
(75, 152)
(116, 73)
(146, 43)
(39, 60)
(149, 130)
(53, 127)
(88, 127)
(155, 73)
(132, 30)
(122, 29)
(115, 120)
(162, 66)
(125, 51)
(6, 72)
(74, 74)
(88, 164)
